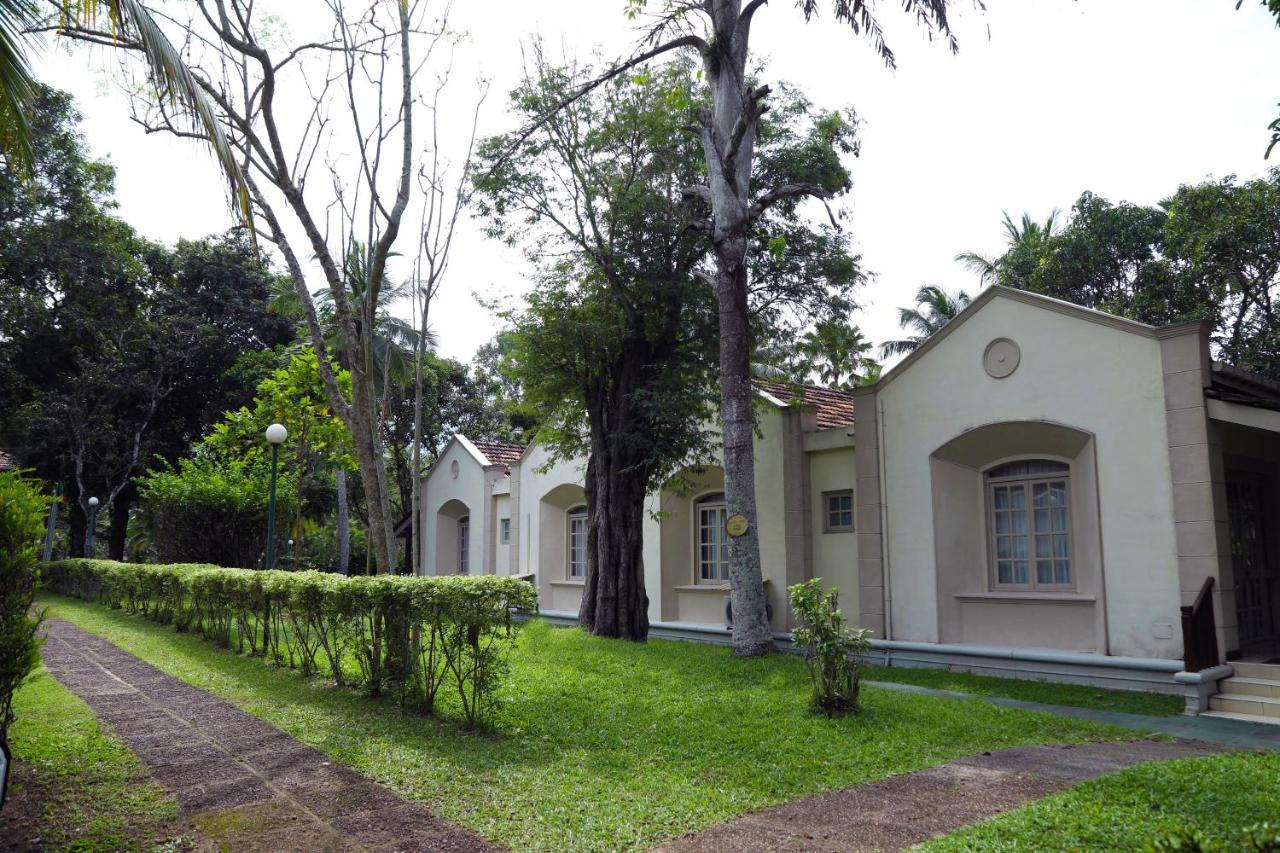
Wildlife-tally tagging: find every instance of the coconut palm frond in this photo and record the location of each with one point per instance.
(172, 78)
(17, 83)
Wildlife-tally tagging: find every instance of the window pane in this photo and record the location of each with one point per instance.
(1061, 545)
(1040, 494)
(1042, 521)
(1062, 570)
(1060, 520)
(1018, 496)
(1020, 572)
(1003, 524)
(1044, 546)
(1020, 547)
(1004, 573)
(1058, 493)
(1044, 571)
(1004, 548)
(1019, 520)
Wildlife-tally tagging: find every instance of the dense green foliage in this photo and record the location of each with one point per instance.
(213, 511)
(831, 648)
(604, 745)
(616, 345)
(1210, 251)
(22, 510)
(407, 635)
(93, 794)
(114, 349)
(1218, 797)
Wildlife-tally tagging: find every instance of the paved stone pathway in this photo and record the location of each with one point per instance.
(901, 811)
(247, 785)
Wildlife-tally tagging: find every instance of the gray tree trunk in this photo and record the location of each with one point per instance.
(728, 140)
(343, 524)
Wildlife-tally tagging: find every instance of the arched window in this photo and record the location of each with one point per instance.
(577, 539)
(710, 540)
(1029, 516)
(464, 544)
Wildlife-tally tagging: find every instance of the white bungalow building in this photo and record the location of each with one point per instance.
(1037, 491)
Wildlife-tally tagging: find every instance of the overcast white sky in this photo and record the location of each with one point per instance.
(1047, 98)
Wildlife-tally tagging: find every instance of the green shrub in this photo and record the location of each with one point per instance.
(406, 635)
(208, 511)
(831, 649)
(22, 512)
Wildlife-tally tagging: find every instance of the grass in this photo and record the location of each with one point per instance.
(602, 744)
(88, 790)
(1218, 796)
(1048, 692)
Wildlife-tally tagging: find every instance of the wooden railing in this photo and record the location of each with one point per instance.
(1199, 633)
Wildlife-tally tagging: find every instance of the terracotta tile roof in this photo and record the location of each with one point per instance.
(499, 452)
(6, 461)
(833, 408)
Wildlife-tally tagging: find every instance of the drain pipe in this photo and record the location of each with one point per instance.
(884, 525)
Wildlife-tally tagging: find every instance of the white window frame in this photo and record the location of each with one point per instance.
(464, 545)
(709, 514)
(575, 565)
(1032, 534)
(504, 531)
(827, 512)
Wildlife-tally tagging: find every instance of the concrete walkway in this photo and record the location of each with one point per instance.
(248, 786)
(901, 811)
(1237, 734)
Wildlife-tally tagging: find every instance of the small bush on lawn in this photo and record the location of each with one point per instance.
(209, 511)
(408, 635)
(831, 649)
(22, 509)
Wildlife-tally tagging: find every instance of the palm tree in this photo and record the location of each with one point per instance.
(131, 26)
(934, 309)
(836, 350)
(1029, 245)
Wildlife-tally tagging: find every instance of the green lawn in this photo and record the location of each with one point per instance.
(603, 744)
(1048, 692)
(92, 792)
(1218, 796)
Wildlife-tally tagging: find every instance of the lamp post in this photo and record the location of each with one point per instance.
(276, 434)
(93, 522)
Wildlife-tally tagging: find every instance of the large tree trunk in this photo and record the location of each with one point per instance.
(343, 524)
(367, 438)
(118, 534)
(614, 603)
(751, 632)
(728, 137)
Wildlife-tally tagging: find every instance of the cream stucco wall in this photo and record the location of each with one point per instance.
(544, 498)
(501, 550)
(443, 491)
(1092, 377)
(835, 555)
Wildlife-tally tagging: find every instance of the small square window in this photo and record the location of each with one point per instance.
(504, 531)
(837, 511)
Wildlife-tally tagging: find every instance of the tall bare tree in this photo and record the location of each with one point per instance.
(337, 104)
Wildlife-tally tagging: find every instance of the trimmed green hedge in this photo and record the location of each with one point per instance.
(409, 635)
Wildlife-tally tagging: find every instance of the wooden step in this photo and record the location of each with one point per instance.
(1240, 703)
(1250, 687)
(1265, 671)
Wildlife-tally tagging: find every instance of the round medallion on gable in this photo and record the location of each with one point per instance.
(1001, 358)
(453, 469)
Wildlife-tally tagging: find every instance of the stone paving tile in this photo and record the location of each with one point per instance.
(902, 811)
(247, 785)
